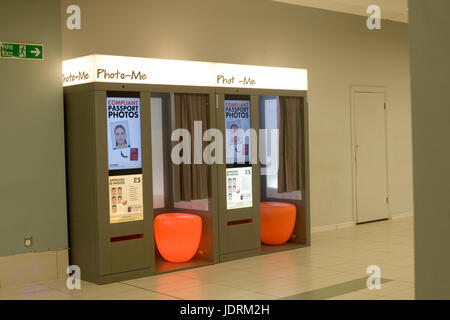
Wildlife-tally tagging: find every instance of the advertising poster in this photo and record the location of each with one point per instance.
(124, 133)
(125, 198)
(237, 122)
(239, 188)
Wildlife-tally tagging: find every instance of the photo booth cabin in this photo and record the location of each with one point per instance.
(126, 122)
(271, 212)
(284, 180)
(185, 215)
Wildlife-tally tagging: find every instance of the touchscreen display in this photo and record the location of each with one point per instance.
(124, 133)
(237, 125)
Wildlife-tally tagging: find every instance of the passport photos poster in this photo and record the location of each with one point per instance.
(124, 133)
(237, 123)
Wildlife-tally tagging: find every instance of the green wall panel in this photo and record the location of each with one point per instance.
(32, 177)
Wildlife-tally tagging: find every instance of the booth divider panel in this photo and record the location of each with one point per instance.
(242, 237)
(133, 254)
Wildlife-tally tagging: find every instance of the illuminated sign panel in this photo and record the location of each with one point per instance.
(116, 69)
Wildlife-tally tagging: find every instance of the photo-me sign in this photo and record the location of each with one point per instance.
(124, 133)
(117, 69)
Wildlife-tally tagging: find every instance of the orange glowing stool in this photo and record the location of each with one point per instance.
(277, 222)
(178, 235)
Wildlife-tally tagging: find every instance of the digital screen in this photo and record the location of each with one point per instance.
(125, 198)
(239, 187)
(124, 133)
(237, 125)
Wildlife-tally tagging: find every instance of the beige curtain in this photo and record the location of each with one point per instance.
(290, 166)
(190, 180)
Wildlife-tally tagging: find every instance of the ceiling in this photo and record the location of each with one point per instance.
(395, 10)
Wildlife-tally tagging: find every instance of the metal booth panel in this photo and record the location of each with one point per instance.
(239, 229)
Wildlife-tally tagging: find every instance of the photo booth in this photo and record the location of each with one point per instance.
(153, 188)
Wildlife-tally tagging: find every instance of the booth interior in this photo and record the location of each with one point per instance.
(182, 188)
(166, 173)
(284, 185)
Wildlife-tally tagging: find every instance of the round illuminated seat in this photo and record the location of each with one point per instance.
(177, 235)
(277, 222)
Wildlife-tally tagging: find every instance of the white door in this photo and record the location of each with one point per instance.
(370, 156)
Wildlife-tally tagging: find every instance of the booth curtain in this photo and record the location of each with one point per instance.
(190, 180)
(290, 143)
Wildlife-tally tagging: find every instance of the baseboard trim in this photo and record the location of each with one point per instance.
(349, 224)
(401, 215)
(33, 267)
(331, 227)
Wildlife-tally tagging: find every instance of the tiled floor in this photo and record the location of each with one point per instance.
(329, 268)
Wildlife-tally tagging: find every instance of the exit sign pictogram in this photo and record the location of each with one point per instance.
(11, 50)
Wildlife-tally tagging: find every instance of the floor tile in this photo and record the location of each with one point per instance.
(21, 290)
(334, 267)
(256, 296)
(209, 291)
(137, 294)
(102, 291)
(49, 294)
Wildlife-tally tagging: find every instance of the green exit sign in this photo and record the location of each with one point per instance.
(21, 51)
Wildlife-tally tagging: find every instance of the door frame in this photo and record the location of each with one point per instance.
(367, 89)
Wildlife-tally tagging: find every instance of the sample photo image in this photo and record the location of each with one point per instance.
(235, 134)
(121, 137)
(237, 146)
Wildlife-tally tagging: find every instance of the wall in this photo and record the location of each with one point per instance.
(337, 49)
(429, 31)
(32, 184)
